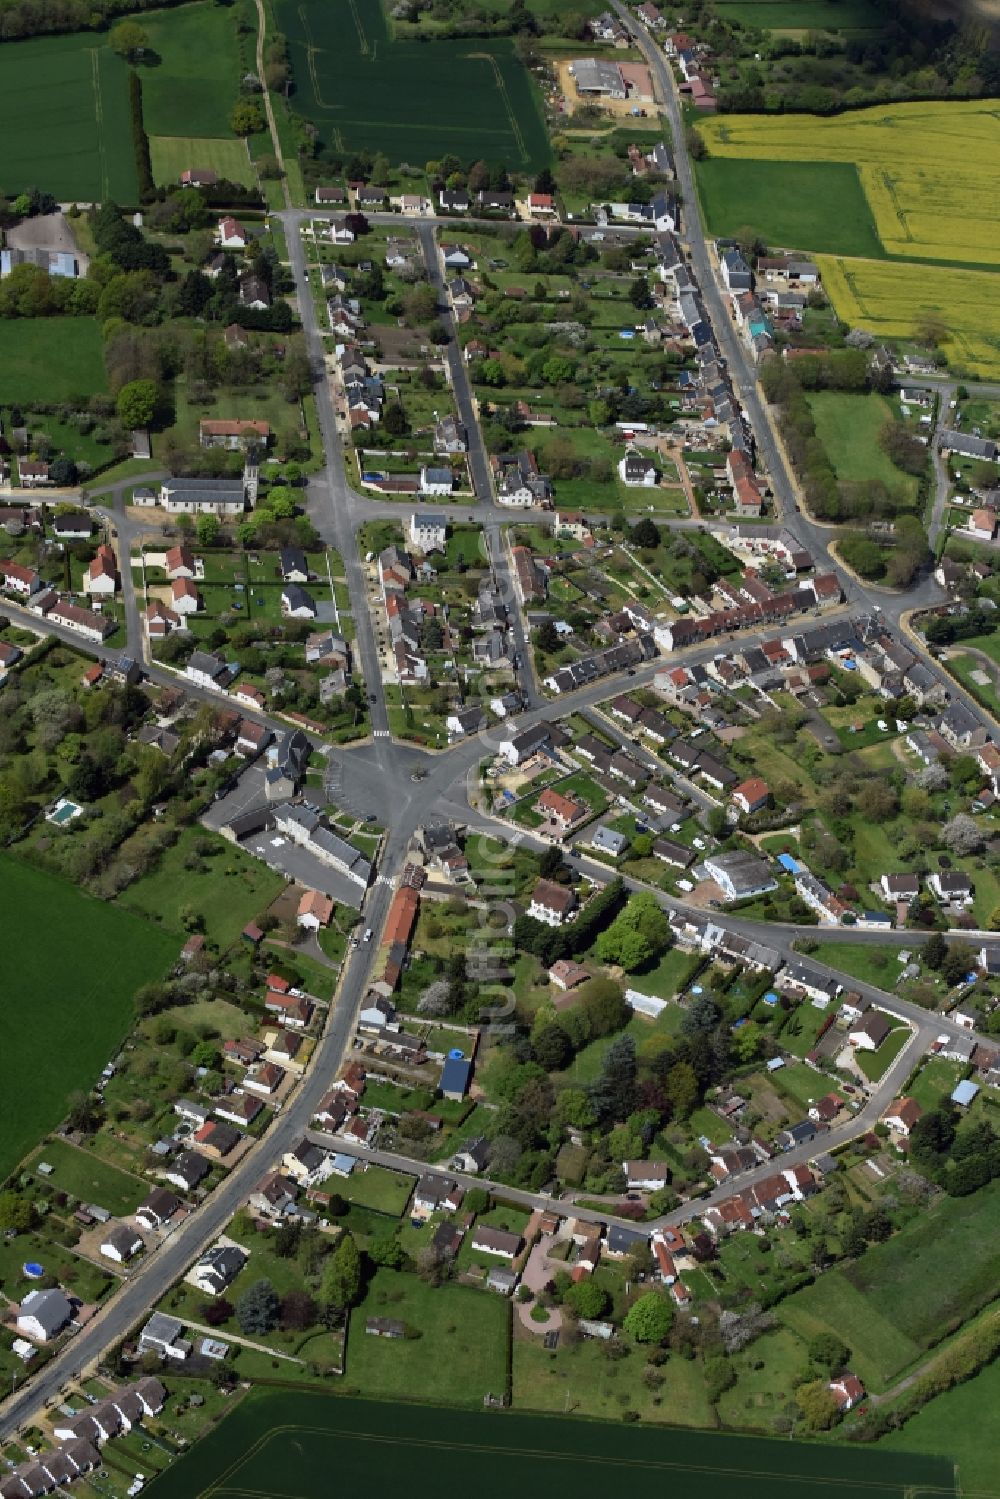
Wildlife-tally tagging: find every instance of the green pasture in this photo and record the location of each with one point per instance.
(801, 205)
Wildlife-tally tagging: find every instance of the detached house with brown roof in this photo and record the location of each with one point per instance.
(901, 1115)
(551, 903)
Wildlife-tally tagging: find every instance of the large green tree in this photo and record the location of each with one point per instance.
(650, 1318)
(341, 1285)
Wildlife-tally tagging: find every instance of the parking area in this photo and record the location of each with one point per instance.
(277, 852)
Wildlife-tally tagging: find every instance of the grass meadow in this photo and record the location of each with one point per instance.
(848, 425)
(283, 1443)
(457, 1356)
(805, 205)
(192, 83)
(71, 972)
(64, 114)
(412, 100)
(902, 1297)
(965, 1424)
(228, 888)
(50, 359)
(173, 154)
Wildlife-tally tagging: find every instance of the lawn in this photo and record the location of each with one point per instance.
(804, 205)
(64, 122)
(935, 1080)
(966, 667)
(902, 1297)
(50, 359)
(766, 1375)
(799, 1083)
(365, 91)
(456, 1355)
(669, 977)
(875, 1064)
(848, 426)
(875, 964)
(82, 1175)
(77, 962)
(227, 890)
(581, 1379)
(193, 84)
(173, 154)
(384, 1191)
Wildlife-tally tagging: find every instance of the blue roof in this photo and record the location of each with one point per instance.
(455, 1075)
(965, 1093)
(787, 862)
(345, 1164)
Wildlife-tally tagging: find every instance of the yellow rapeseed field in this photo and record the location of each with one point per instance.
(929, 171)
(892, 298)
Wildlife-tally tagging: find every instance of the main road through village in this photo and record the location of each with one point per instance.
(404, 786)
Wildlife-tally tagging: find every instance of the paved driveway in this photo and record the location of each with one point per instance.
(536, 1274)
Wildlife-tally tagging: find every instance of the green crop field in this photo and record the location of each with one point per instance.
(192, 83)
(803, 205)
(903, 1296)
(848, 425)
(64, 119)
(71, 972)
(412, 100)
(50, 359)
(173, 154)
(289, 1443)
(803, 15)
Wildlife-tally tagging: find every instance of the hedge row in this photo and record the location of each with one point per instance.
(140, 140)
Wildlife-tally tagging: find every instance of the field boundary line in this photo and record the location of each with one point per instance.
(359, 28)
(95, 73)
(537, 1453)
(501, 88)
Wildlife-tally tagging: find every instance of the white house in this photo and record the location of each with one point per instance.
(436, 480)
(217, 1268)
(315, 910)
(901, 1115)
(231, 235)
(868, 1033)
(551, 903)
(42, 1315)
(637, 470)
(297, 602)
(646, 1176)
(428, 531)
(121, 1243)
(740, 874)
(101, 577)
(951, 887)
(184, 596)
